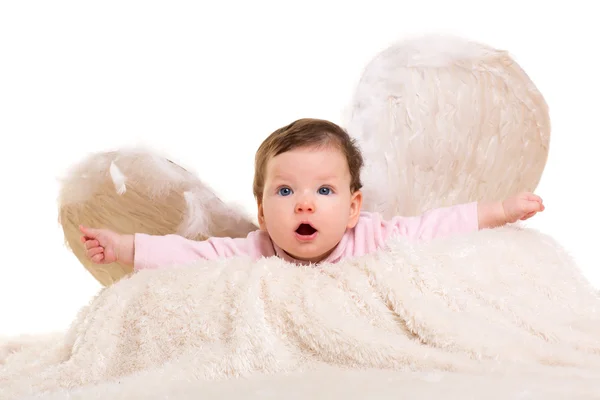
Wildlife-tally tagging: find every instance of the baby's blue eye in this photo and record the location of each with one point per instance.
(324, 191)
(285, 191)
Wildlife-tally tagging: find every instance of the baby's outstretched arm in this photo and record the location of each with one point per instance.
(144, 251)
(520, 207)
(463, 218)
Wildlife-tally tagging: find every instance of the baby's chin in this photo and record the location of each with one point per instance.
(309, 255)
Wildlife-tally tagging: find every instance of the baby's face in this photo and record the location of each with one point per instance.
(307, 204)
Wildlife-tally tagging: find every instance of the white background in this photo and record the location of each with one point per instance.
(193, 78)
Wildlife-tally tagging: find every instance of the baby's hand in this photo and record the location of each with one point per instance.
(104, 246)
(522, 206)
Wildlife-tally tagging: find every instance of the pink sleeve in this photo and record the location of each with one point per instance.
(439, 222)
(372, 232)
(153, 251)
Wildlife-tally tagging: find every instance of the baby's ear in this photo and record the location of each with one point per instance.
(261, 216)
(355, 209)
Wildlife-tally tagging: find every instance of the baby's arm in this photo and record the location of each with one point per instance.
(144, 251)
(468, 217)
(152, 251)
(438, 222)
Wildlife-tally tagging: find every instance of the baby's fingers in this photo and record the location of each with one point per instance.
(88, 233)
(533, 197)
(91, 244)
(95, 251)
(98, 258)
(528, 215)
(532, 206)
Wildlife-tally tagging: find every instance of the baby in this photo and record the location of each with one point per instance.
(307, 188)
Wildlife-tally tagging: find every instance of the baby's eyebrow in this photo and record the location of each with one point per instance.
(279, 177)
(322, 178)
(329, 178)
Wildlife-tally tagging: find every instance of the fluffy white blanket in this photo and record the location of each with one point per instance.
(500, 313)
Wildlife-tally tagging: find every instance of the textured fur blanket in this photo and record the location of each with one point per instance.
(500, 313)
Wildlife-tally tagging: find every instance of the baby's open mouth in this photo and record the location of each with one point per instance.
(305, 230)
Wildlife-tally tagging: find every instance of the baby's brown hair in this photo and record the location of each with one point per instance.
(307, 132)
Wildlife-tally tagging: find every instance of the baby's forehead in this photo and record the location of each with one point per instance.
(312, 174)
(320, 162)
(324, 174)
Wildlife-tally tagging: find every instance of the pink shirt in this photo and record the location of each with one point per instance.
(369, 235)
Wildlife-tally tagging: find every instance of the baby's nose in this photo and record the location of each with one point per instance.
(305, 206)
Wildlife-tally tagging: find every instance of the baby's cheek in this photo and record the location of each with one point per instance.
(278, 216)
(337, 205)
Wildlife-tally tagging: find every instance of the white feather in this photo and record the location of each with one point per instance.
(118, 178)
(196, 219)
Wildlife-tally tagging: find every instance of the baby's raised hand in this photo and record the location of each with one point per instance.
(104, 246)
(522, 206)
